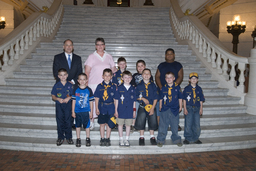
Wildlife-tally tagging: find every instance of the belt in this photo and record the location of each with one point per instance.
(107, 103)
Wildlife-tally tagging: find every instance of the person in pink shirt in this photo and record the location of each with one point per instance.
(94, 66)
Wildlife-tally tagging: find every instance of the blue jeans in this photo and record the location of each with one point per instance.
(192, 124)
(167, 118)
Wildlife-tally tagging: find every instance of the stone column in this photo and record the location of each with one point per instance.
(88, 2)
(250, 98)
(148, 2)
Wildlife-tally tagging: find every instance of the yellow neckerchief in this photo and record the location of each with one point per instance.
(105, 93)
(146, 86)
(194, 95)
(170, 91)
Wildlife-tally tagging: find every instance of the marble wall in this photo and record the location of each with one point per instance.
(247, 11)
(6, 11)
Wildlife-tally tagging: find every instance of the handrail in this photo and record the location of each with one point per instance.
(210, 50)
(24, 37)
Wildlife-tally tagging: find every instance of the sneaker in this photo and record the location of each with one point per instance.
(198, 142)
(91, 125)
(59, 142)
(70, 141)
(78, 142)
(102, 142)
(126, 143)
(141, 141)
(159, 144)
(121, 143)
(107, 142)
(179, 128)
(179, 144)
(88, 142)
(185, 142)
(153, 141)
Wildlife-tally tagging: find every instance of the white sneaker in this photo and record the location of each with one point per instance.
(121, 143)
(126, 143)
(91, 125)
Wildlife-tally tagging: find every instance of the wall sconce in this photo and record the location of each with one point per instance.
(254, 36)
(236, 27)
(119, 2)
(2, 22)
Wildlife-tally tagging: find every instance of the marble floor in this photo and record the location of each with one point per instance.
(240, 160)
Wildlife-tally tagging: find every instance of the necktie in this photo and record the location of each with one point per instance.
(146, 86)
(170, 94)
(194, 94)
(105, 93)
(69, 61)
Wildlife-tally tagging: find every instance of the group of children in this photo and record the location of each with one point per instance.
(125, 97)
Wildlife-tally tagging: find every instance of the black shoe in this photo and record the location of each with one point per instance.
(141, 141)
(70, 141)
(179, 128)
(78, 142)
(107, 142)
(153, 141)
(185, 142)
(88, 142)
(59, 142)
(102, 142)
(198, 142)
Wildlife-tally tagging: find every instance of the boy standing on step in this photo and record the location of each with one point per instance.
(147, 96)
(193, 99)
(104, 104)
(82, 107)
(125, 109)
(117, 76)
(61, 94)
(170, 104)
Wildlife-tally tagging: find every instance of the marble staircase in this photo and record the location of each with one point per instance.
(27, 113)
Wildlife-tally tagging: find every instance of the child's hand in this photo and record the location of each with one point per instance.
(201, 111)
(60, 100)
(73, 114)
(97, 111)
(134, 114)
(145, 101)
(185, 111)
(116, 114)
(180, 109)
(90, 115)
(151, 112)
(66, 100)
(160, 107)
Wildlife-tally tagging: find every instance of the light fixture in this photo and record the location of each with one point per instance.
(236, 27)
(2, 22)
(119, 2)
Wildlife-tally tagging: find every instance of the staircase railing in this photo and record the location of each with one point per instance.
(15, 46)
(219, 60)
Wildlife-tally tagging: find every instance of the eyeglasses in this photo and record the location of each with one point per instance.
(100, 44)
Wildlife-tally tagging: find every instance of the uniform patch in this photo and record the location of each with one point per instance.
(59, 94)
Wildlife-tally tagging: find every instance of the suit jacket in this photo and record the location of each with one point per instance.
(60, 61)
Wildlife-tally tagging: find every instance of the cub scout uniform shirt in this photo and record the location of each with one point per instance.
(148, 91)
(193, 96)
(117, 77)
(125, 98)
(170, 98)
(106, 93)
(82, 98)
(62, 91)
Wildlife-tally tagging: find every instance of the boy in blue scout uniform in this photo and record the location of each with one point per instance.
(125, 109)
(147, 96)
(104, 104)
(82, 105)
(193, 99)
(170, 104)
(117, 76)
(61, 94)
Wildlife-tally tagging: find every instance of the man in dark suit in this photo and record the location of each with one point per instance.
(63, 60)
(71, 62)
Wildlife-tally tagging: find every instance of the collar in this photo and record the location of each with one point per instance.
(103, 83)
(101, 58)
(71, 55)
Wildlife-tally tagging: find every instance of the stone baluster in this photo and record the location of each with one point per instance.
(213, 57)
(232, 73)
(197, 39)
(219, 70)
(41, 26)
(208, 52)
(190, 33)
(5, 57)
(11, 53)
(22, 44)
(26, 40)
(34, 32)
(188, 28)
(225, 67)
(44, 27)
(241, 79)
(17, 49)
(30, 36)
(38, 29)
(200, 43)
(204, 48)
(194, 36)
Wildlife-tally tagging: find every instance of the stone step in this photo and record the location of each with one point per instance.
(49, 145)
(128, 32)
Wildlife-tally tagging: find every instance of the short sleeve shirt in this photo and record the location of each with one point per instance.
(189, 96)
(136, 79)
(62, 91)
(117, 78)
(148, 91)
